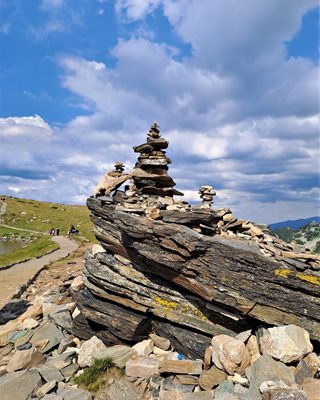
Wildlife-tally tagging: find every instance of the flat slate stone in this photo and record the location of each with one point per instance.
(62, 360)
(50, 373)
(267, 369)
(187, 218)
(19, 385)
(119, 354)
(74, 394)
(49, 331)
(185, 367)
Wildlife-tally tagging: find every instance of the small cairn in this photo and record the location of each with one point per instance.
(207, 194)
(118, 169)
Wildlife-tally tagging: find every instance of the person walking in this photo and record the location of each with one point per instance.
(57, 231)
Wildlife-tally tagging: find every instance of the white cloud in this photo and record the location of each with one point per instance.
(239, 114)
(51, 4)
(135, 9)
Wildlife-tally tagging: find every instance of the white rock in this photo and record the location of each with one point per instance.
(269, 385)
(97, 248)
(90, 350)
(286, 343)
(236, 378)
(77, 283)
(144, 348)
(29, 323)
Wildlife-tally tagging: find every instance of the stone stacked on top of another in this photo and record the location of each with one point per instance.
(111, 180)
(150, 175)
(118, 169)
(207, 194)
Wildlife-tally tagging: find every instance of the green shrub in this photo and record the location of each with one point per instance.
(93, 377)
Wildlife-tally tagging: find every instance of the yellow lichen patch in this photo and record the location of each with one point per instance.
(199, 314)
(172, 306)
(167, 304)
(308, 278)
(283, 272)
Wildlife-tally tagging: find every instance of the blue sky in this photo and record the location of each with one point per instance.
(234, 89)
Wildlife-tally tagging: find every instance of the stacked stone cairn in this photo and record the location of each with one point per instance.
(206, 194)
(150, 175)
(118, 169)
(194, 303)
(187, 273)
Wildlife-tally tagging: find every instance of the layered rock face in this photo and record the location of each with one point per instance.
(186, 272)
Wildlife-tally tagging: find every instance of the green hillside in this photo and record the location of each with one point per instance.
(42, 216)
(308, 235)
(37, 218)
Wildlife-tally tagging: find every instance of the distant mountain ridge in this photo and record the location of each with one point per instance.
(293, 224)
(307, 235)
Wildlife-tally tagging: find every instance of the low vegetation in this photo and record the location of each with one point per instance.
(308, 235)
(42, 216)
(29, 221)
(39, 246)
(95, 377)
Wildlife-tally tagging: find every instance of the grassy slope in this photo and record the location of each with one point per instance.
(38, 247)
(41, 216)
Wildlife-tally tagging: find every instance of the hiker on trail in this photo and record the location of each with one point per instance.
(57, 231)
(51, 232)
(72, 230)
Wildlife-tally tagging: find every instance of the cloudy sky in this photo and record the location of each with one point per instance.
(233, 85)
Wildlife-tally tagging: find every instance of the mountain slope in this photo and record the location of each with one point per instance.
(308, 235)
(293, 224)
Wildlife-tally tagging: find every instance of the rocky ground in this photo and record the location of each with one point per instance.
(40, 355)
(19, 274)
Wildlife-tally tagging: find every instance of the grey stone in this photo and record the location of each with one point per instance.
(14, 336)
(168, 384)
(52, 396)
(160, 342)
(271, 385)
(49, 331)
(240, 391)
(63, 319)
(18, 385)
(24, 339)
(74, 394)
(307, 368)
(25, 346)
(206, 395)
(62, 360)
(119, 354)
(64, 344)
(46, 388)
(244, 336)
(70, 370)
(19, 360)
(50, 373)
(226, 396)
(123, 390)
(267, 369)
(285, 394)
(225, 387)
